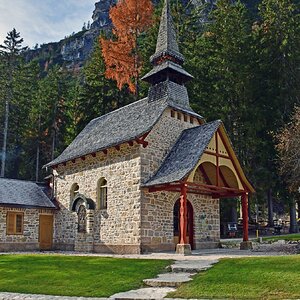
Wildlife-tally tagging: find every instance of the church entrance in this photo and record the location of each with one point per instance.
(190, 223)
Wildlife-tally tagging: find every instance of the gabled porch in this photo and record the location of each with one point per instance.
(202, 162)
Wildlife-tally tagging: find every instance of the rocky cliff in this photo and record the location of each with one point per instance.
(73, 51)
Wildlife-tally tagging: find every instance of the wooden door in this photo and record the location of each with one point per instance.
(46, 232)
(190, 224)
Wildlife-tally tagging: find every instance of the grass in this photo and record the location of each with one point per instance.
(74, 275)
(287, 237)
(246, 278)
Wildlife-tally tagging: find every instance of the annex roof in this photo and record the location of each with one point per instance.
(185, 154)
(23, 194)
(122, 125)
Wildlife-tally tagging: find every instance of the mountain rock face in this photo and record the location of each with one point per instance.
(75, 49)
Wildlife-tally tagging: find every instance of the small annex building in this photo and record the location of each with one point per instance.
(26, 215)
(148, 176)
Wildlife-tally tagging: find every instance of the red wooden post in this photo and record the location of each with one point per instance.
(217, 161)
(245, 216)
(183, 215)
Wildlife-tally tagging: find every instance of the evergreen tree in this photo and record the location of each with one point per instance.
(99, 95)
(48, 118)
(10, 55)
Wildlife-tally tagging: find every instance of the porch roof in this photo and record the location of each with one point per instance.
(185, 154)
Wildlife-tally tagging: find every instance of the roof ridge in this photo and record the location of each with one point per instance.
(205, 124)
(19, 180)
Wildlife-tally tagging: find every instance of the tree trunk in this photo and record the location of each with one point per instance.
(270, 209)
(233, 212)
(37, 165)
(5, 131)
(6, 118)
(293, 221)
(249, 209)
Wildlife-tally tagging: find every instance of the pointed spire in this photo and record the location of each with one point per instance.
(167, 76)
(166, 46)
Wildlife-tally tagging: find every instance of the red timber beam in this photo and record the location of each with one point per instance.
(198, 188)
(214, 188)
(245, 216)
(183, 214)
(142, 141)
(217, 160)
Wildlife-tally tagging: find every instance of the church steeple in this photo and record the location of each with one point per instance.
(166, 46)
(167, 77)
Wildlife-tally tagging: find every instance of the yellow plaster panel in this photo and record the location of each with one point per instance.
(221, 146)
(212, 144)
(205, 158)
(228, 163)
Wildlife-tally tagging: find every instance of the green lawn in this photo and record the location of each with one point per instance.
(287, 237)
(246, 278)
(74, 275)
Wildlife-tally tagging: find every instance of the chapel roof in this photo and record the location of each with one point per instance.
(185, 154)
(23, 194)
(122, 125)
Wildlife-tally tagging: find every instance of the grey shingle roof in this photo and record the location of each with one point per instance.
(23, 193)
(185, 154)
(167, 66)
(166, 41)
(120, 126)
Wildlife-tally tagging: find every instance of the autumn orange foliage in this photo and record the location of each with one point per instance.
(130, 18)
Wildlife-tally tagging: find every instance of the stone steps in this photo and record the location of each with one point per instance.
(158, 288)
(192, 266)
(169, 279)
(144, 293)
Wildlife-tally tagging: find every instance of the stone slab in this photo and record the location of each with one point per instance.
(18, 296)
(246, 245)
(184, 249)
(144, 293)
(169, 279)
(192, 266)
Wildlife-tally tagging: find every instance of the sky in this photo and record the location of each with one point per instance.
(43, 21)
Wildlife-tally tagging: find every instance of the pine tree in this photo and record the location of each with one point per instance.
(121, 53)
(98, 94)
(10, 52)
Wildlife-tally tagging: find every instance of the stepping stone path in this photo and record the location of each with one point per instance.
(182, 271)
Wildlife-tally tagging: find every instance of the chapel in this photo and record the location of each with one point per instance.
(146, 177)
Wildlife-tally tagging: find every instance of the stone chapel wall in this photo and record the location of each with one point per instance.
(157, 208)
(115, 229)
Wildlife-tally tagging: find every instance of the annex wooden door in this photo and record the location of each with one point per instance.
(46, 232)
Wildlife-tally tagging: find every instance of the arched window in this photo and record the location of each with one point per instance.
(74, 190)
(81, 219)
(102, 193)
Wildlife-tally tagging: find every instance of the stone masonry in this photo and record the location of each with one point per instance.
(115, 229)
(135, 220)
(29, 240)
(157, 208)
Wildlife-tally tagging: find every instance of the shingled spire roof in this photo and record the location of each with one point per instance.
(166, 42)
(168, 76)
